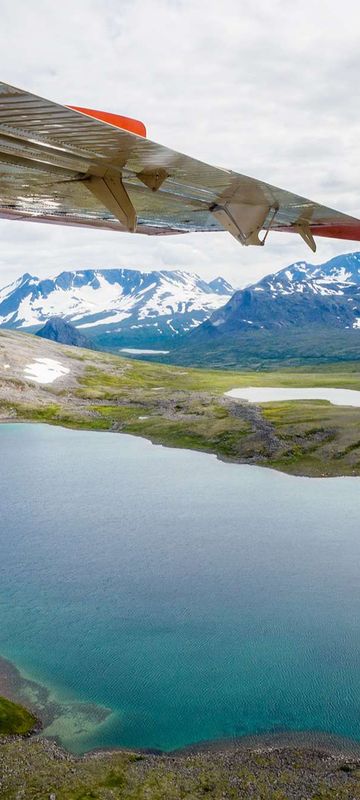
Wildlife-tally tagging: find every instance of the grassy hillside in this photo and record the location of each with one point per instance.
(186, 407)
(14, 719)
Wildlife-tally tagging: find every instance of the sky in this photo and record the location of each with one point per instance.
(268, 89)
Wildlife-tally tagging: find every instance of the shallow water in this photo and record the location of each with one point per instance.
(196, 599)
(139, 351)
(268, 394)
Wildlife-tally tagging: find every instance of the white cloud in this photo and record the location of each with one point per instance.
(268, 89)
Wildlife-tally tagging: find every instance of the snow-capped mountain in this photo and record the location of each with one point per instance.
(301, 294)
(339, 276)
(115, 306)
(303, 314)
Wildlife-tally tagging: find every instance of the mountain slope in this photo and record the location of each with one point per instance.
(304, 312)
(57, 330)
(115, 306)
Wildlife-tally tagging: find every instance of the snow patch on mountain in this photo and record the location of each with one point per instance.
(45, 370)
(336, 277)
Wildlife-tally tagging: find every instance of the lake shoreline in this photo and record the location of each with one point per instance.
(157, 442)
(271, 394)
(69, 646)
(17, 688)
(291, 773)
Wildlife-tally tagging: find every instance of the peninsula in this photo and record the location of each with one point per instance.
(42, 381)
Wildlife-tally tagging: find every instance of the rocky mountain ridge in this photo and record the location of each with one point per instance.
(118, 306)
(326, 294)
(57, 330)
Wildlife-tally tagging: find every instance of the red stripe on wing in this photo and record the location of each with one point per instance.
(334, 231)
(126, 123)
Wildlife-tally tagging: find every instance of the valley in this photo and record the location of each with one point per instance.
(192, 409)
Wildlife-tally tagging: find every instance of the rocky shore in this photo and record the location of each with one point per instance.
(39, 768)
(287, 766)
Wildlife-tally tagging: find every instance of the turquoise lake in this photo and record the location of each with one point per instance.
(194, 599)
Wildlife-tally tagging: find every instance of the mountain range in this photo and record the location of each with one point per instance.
(115, 307)
(300, 314)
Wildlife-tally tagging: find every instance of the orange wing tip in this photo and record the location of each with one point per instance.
(125, 123)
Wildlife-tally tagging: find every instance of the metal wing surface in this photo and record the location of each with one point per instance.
(60, 165)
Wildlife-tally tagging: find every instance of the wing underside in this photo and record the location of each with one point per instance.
(58, 165)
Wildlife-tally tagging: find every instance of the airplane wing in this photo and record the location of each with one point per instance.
(80, 167)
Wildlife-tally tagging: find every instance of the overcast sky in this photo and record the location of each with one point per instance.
(270, 89)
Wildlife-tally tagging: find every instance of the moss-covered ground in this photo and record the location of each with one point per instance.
(39, 770)
(14, 719)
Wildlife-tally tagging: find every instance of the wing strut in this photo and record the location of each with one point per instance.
(304, 231)
(111, 192)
